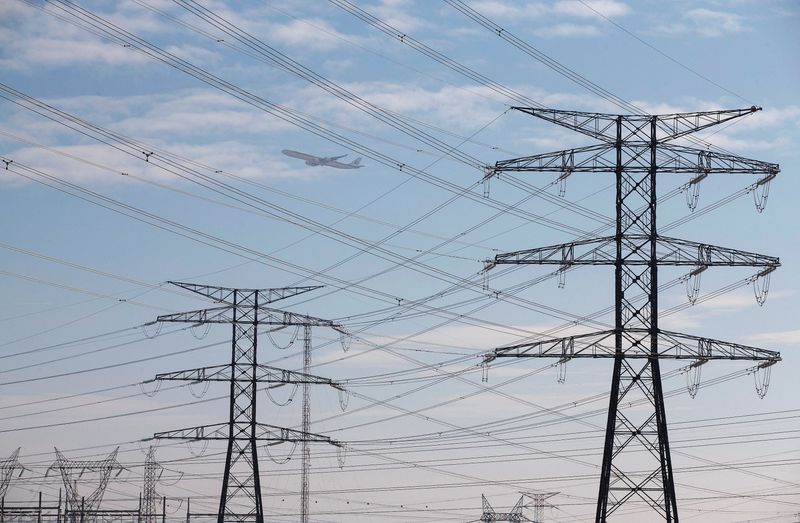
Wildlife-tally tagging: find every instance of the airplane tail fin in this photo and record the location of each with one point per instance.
(357, 161)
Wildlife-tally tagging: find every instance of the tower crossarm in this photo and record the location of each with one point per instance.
(669, 251)
(251, 315)
(674, 158)
(264, 432)
(636, 126)
(264, 374)
(670, 159)
(601, 344)
(592, 158)
(227, 294)
(214, 315)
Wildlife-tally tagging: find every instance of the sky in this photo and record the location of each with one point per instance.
(146, 148)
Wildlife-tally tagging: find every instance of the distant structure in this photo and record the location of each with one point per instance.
(539, 504)
(8, 467)
(491, 516)
(637, 149)
(152, 473)
(83, 509)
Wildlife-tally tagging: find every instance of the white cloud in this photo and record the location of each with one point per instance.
(397, 14)
(36, 39)
(509, 10)
(791, 337)
(714, 23)
(591, 8)
(568, 30)
(705, 23)
(308, 34)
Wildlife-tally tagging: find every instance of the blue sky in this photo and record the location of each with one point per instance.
(398, 244)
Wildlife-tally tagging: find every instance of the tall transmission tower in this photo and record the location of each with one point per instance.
(490, 515)
(637, 148)
(245, 310)
(8, 467)
(84, 508)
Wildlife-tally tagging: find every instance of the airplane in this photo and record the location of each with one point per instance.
(326, 161)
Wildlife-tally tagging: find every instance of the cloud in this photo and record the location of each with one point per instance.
(591, 8)
(706, 23)
(714, 23)
(791, 337)
(568, 31)
(37, 39)
(509, 10)
(396, 14)
(309, 34)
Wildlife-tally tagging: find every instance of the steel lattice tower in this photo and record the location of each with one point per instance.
(8, 467)
(245, 310)
(152, 473)
(539, 502)
(306, 426)
(490, 515)
(636, 148)
(80, 508)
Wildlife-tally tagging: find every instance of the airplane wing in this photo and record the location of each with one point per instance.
(333, 158)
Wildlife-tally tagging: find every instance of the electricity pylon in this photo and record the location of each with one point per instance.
(84, 508)
(245, 310)
(8, 467)
(539, 503)
(152, 473)
(637, 148)
(491, 516)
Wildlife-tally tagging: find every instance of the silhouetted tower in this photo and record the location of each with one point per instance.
(9, 467)
(83, 508)
(245, 310)
(637, 148)
(491, 516)
(152, 473)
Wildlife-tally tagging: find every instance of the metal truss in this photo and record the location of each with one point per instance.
(490, 515)
(152, 473)
(8, 467)
(229, 294)
(637, 148)
(263, 432)
(669, 251)
(602, 344)
(264, 374)
(84, 508)
(244, 309)
(539, 503)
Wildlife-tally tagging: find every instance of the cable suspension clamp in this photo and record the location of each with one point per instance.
(761, 191)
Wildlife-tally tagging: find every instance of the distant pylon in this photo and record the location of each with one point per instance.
(152, 473)
(490, 515)
(83, 508)
(539, 503)
(8, 468)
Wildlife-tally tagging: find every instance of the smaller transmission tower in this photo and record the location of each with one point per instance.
(539, 503)
(152, 473)
(83, 508)
(514, 515)
(245, 310)
(8, 467)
